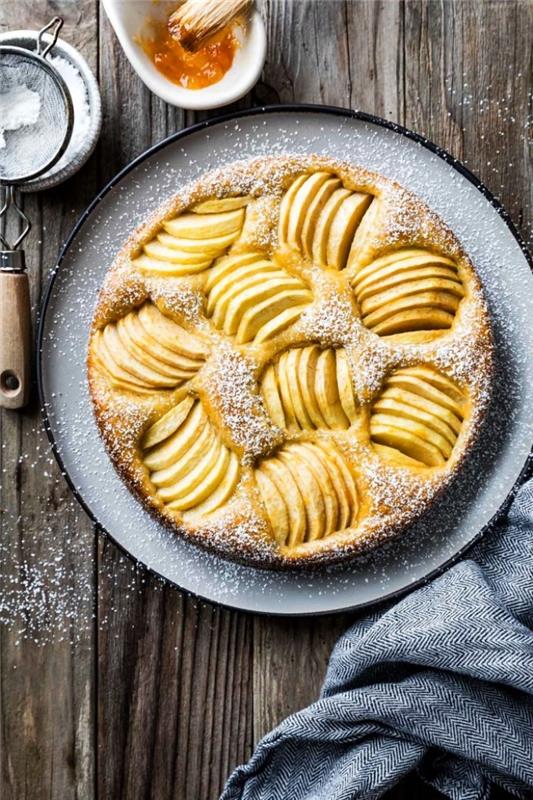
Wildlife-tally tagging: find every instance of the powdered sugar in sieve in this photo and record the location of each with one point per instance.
(37, 115)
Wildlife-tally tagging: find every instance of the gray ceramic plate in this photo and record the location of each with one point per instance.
(491, 473)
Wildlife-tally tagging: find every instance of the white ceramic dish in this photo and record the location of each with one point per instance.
(57, 174)
(129, 20)
(490, 474)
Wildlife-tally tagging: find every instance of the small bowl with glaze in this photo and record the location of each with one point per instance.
(131, 20)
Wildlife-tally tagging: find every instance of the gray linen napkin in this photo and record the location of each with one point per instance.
(440, 682)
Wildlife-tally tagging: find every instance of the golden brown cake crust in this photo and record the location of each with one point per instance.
(221, 378)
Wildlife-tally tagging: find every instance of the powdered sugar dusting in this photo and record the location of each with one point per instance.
(330, 320)
(229, 382)
(177, 297)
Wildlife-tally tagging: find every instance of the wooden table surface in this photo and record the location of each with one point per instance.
(113, 685)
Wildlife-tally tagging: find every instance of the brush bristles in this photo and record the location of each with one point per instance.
(196, 20)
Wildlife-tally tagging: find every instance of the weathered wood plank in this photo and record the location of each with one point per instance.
(468, 70)
(47, 560)
(174, 688)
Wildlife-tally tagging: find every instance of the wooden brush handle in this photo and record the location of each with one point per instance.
(15, 339)
(196, 20)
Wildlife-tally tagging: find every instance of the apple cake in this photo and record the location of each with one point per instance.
(290, 360)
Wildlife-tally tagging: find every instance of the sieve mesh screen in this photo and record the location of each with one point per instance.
(29, 149)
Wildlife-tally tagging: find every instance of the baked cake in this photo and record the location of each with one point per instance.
(290, 360)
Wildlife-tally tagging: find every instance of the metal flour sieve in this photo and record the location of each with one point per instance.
(29, 151)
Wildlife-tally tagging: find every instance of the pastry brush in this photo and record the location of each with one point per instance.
(196, 20)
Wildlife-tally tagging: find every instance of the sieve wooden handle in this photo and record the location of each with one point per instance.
(15, 339)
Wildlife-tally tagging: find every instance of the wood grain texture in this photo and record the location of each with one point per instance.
(46, 676)
(165, 694)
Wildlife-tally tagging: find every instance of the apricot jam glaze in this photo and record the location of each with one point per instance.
(205, 66)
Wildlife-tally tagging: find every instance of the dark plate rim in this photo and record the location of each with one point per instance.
(527, 469)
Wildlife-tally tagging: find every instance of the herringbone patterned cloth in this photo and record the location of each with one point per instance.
(441, 683)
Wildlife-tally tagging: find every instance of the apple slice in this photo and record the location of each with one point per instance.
(396, 278)
(231, 285)
(145, 374)
(428, 398)
(334, 455)
(342, 481)
(171, 269)
(292, 369)
(212, 247)
(213, 477)
(323, 478)
(170, 450)
(407, 443)
(275, 506)
(222, 493)
(323, 226)
(227, 264)
(170, 475)
(311, 494)
(417, 401)
(287, 486)
(286, 205)
(419, 428)
(327, 393)
(343, 227)
(187, 483)
(413, 255)
(227, 289)
(313, 212)
(344, 385)
(147, 358)
(271, 398)
(168, 424)
(419, 385)
(398, 405)
(415, 430)
(263, 312)
(279, 323)
(306, 379)
(440, 301)
(253, 294)
(155, 348)
(172, 256)
(174, 374)
(175, 338)
(283, 380)
(205, 226)
(119, 383)
(396, 457)
(441, 382)
(411, 381)
(260, 288)
(432, 301)
(364, 233)
(342, 495)
(378, 273)
(219, 205)
(118, 376)
(181, 366)
(301, 202)
(416, 319)
(398, 262)
(416, 288)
